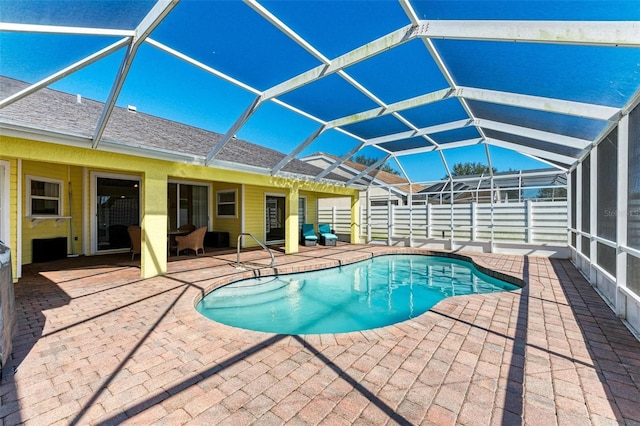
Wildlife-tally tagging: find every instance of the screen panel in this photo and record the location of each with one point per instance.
(607, 199)
(585, 226)
(633, 209)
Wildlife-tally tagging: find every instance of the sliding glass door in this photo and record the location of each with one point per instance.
(187, 204)
(117, 204)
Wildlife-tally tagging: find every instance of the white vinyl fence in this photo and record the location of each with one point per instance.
(524, 223)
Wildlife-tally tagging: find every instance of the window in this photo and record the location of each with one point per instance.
(302, 211)
(226, 203)
(45, 197)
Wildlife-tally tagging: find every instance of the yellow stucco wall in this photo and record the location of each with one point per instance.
(69, 177)
(74, 164)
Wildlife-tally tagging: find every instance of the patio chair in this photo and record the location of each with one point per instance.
(327, 237)
(182, 231)
(189, 227)
(135, 237)
(193, 241)
(308, 235)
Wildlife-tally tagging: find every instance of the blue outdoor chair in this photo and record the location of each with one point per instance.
(327, 237)
(308, 235)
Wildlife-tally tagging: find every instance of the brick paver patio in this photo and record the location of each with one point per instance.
(98, 345)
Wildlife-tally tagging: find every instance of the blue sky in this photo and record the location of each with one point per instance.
(234, 39)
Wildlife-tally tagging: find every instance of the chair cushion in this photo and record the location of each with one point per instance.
(330, 236)
(324, 228)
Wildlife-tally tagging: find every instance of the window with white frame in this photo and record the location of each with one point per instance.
(45, 196)
(226, 203)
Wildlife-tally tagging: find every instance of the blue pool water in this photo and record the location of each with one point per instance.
(360, 296)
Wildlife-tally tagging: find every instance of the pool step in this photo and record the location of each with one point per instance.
(238, 295)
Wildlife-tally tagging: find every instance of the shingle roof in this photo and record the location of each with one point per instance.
(57, 111)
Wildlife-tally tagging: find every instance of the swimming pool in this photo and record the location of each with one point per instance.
(373, 293)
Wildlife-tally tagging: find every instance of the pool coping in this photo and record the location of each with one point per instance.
(185, 309)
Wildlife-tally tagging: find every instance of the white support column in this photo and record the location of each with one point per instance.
(579, 215)
(491, 225)
(569, 204)
(334, 217)
(428, 219)
(389, 218)
(593, 216)
(20, 201)
(368, 218)
(451, 219)
(410, 199)
(520, 187)
(622, 216)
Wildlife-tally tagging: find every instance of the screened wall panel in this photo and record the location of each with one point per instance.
(585, 226)
(633, 210)
(633, 272)
(607, 258)
(607, 199)
(574, 176)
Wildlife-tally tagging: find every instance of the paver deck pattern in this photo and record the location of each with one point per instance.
(97, 344)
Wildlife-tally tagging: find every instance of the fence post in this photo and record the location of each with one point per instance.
(473, 220)
(578, 198)
(493, 194)
(428, 220)
(389, 223)
(528, 210)
(452, 216)
(410, 215)
(333, 217)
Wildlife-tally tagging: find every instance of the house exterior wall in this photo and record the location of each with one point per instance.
(312, 206)
(231, 225)
(72, 166)
(70, 177)
(254, 212)
(254, 215)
